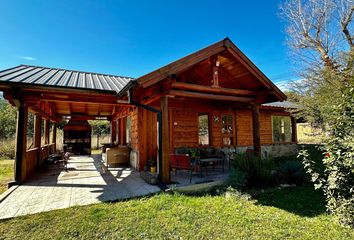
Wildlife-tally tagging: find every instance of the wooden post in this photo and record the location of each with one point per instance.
(123, 135)
(54, 137)
(165, 141)
(117, 131)
(37, 137)
(256, 130)
(214, 64)
(113, 131)
(21, 142)
(293, 130)
(46, 131)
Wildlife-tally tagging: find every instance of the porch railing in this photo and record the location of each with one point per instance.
(32, 157)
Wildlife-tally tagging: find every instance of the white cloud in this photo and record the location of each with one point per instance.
(285, 85)
(28, 58)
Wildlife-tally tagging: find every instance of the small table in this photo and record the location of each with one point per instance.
(205, 162)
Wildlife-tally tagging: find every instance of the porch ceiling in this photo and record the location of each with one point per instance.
(55, 105)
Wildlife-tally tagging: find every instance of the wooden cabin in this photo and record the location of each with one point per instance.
(215, 97)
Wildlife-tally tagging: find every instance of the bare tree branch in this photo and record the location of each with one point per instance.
(320, 26)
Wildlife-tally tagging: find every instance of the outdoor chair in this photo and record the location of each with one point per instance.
(182, 162)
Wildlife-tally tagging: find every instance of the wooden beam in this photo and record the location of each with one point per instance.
(181, 64)
(165, 141)
(87, 100)
(43, 114)
(293, 130)
(256, 130)
(37, 137)
(207, 89)
(151, 99)
(235, 52)
(89, 116)
(209, 96)
(214, 65)
(21, 142)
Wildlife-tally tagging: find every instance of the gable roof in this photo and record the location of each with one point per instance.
(196, 57)
(57, 77)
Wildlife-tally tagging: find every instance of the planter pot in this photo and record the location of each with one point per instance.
(153, 169)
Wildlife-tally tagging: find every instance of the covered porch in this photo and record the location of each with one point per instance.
(55, 96)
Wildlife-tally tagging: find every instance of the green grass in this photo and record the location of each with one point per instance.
(6, 173)
(96, 151)
(291, 213)
(296, 213)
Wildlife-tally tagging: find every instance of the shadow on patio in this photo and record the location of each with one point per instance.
(85, 182)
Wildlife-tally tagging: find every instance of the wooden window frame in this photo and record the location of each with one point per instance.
(209, 129)
(291, 129)
(230, 135)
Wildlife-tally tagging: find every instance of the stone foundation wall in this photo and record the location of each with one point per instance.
(274, 150)
(271, 150)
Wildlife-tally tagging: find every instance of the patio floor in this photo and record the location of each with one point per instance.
(181, 178)
(85, 182)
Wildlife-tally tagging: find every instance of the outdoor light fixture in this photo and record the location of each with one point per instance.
(217, 63)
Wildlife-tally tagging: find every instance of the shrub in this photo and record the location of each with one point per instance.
(258, 171)
(7, 149)
(337, 180)
(291, 172)
(237, 179)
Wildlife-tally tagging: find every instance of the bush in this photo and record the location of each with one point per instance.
(237, 179)
(291, 172)
(258, 172)
(7, 149)
(337, 180)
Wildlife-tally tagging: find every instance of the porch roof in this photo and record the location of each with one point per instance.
(27, 75)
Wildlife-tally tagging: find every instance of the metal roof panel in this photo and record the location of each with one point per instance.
(63, 78)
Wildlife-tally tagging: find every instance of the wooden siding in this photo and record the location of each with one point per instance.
(185, 127)
(144, 135)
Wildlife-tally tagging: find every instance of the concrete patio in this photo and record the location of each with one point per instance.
(85, 182)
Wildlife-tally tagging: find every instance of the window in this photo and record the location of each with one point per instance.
(203, 125)
(227, 129)
(281, 128)
(128, 130)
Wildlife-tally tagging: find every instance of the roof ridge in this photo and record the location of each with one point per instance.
(72, 70)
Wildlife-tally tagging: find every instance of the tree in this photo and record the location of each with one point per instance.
(99, 128)
(8, 117)
(320, 36)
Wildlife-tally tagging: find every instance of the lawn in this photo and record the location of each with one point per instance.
(294, 213)
(6, 173)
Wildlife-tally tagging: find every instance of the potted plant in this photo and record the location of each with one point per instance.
(152, 163)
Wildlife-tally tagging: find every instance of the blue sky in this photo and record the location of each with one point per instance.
(132, 38)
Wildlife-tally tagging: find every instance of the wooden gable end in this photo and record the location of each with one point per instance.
(220, 72)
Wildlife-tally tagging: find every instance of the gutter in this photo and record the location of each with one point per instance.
(127, 88)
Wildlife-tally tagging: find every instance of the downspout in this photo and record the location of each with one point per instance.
(159, 120)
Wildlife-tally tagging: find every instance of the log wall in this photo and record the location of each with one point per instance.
(185, 127)
(144, 135)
